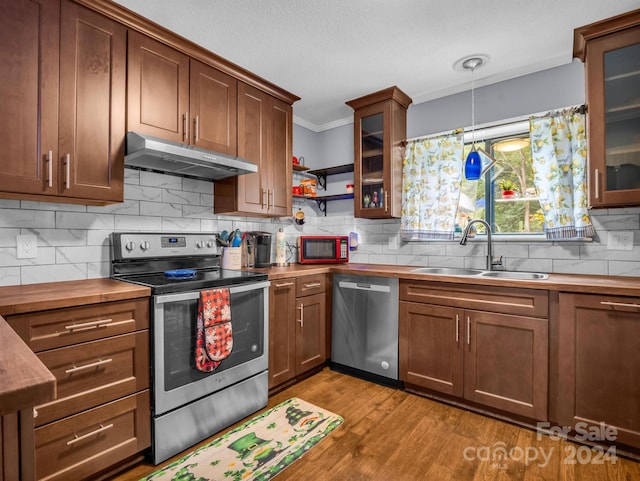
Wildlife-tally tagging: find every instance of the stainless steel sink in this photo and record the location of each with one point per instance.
(448, 271)
(515, 275)
(461, 271)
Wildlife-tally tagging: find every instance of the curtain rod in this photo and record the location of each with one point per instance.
(582, 108)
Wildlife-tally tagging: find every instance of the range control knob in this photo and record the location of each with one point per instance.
(199, 244)
(144, 245)
(130, 246)
(210, 244)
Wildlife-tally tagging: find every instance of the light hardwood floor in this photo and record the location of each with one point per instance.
(391, 435)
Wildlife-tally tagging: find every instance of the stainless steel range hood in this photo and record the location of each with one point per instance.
(150, 153)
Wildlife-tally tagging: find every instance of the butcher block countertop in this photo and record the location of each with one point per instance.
(612, 285)
(55, 295)
(24, 379)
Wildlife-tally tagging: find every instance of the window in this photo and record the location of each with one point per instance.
(505, 196)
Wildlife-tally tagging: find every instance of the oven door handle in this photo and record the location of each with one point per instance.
(192, 295)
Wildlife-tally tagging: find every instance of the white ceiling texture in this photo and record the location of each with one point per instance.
(331, 51)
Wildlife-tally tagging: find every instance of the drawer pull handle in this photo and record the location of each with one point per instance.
(77, 438)
(312, 285)
(301, 320)
(457, 328)
(284, 284)
(88, 325)
(468, 331)
(100, 362)
(50, 168)
(619, 304)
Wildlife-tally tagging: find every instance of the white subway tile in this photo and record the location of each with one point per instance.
(8, 237)
(529, 265)
(200, 186)
(619, 268)
(180, 224)
(160, 209)
(154, 179)
(59, 237)
(129, 207)
(180, 197)
(98, 237)
(98, 269)
(32, 205)
(80, 220)
(550, 251)
(131, 176)
(198, 211)
(8, 257)
(140, 192)
(9, 204)
(53, 273)
(137, 224)
(27, 218)
(9, 276)
(76, 255)
(445, 261)
(577, 266)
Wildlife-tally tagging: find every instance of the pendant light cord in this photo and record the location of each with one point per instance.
(473, 113)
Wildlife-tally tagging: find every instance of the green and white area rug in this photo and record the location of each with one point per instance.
(258, 449)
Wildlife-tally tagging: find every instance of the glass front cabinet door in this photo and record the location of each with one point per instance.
(380, 128)
(611, 52)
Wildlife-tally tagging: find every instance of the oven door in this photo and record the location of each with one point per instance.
(176, 381)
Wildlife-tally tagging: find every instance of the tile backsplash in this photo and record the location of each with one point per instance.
(73, 240)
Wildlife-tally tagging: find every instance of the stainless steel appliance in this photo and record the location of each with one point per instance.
(150, 153)
(364, 337)
(189, 405)
(323, 249)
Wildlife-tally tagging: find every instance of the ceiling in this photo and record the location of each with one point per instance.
(331, 51)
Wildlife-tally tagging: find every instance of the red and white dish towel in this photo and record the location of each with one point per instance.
(214, 338)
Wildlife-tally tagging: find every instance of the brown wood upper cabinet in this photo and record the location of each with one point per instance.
(180, 99)
(611, 52)
(265, 137)
(476, 343)
(380, 128)
(62, 88)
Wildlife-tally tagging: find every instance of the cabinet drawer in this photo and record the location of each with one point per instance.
(507, 300)
(79, 446)
(96, 372)
(310, 285)
(63, 327)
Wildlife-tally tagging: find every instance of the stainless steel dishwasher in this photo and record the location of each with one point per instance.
(364, 337)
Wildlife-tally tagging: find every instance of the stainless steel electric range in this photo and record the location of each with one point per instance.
(189, 405)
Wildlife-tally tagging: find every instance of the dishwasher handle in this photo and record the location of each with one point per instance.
(361, 286)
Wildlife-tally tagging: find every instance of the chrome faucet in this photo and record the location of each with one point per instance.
(465, 234)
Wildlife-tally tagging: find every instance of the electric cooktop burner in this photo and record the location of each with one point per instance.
(172, 262)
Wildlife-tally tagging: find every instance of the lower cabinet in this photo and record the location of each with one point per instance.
(297, 327)
(599, 366)
(99, 355)
(493, 358)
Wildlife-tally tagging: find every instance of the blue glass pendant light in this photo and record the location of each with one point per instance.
(473, 164)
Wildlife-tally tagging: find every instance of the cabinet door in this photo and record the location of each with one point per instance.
(253, 112)
(431, 347)
(157, 89)
(280, 152)
(93, 53)
(282, 331)
(371, 173)
(599, 362)
(613, 82)
(213, 97)
(311, 332)
(506, 362)
(29, 49)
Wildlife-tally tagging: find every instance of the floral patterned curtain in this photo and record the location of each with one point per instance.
(431, 177)
(559, 157)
